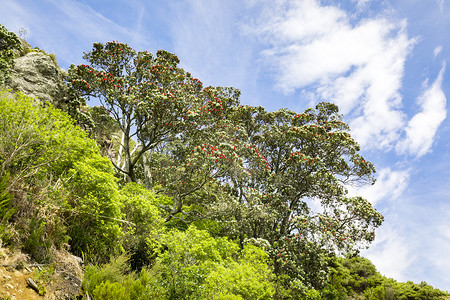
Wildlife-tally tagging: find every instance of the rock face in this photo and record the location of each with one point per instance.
(37, 75)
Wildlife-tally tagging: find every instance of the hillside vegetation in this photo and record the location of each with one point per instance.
(173, 190)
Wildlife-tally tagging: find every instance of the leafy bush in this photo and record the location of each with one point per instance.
(115, 281)
(189, 257)
(95, 220)
(193, 265)
(198, 266)
(247, 278)
(5, 196)
(28, 132)
(36, 244)
(144, 224)
(59, 178)
(113, 272)
(110, 290)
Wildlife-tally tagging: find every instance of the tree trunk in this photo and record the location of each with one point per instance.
(147, 172)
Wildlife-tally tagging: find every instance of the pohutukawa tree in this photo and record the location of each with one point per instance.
(162, 110)
(296, 199)
(196, 160)
(149, 97)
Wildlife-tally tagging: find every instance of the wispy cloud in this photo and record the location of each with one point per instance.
(362, 3)
(438, 253)
(389, 186)
(408, 250)
(391, 253)
(422, 128)
(413, 241)
(437, 51)
(14, 16)
(316, 49)
(441, 5)
(69, 28)
(79, 25)
(205, 36)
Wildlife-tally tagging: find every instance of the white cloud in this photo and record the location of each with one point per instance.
(422, 128)
(437, 51)
(362, 3)
(413, 243)
(440, 246)
(389, 186)
(359, 67)
(441, 5)
(85, 23)
(390, 253)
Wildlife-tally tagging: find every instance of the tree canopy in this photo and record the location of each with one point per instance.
(150, 97)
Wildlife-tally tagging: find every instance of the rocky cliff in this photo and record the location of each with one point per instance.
(36, 74)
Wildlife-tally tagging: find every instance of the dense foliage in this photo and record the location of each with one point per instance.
(149, 97)
(8, 43)
(64, 189)
(356, 277)
(176, 191)
(298, 162)
(227, 162)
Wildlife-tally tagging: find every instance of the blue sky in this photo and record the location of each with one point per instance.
(384, 62)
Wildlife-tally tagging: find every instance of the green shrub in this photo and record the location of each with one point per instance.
(146, 286)
(195, 265)
(247, 278)
(144, 224)
(113, 272)
(5, 196)
(95, 221)
(115, 281)
(190, 256)
(36, 244)
(60, 177)
(110, 290)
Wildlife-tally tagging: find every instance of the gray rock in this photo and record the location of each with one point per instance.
(37, 75)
